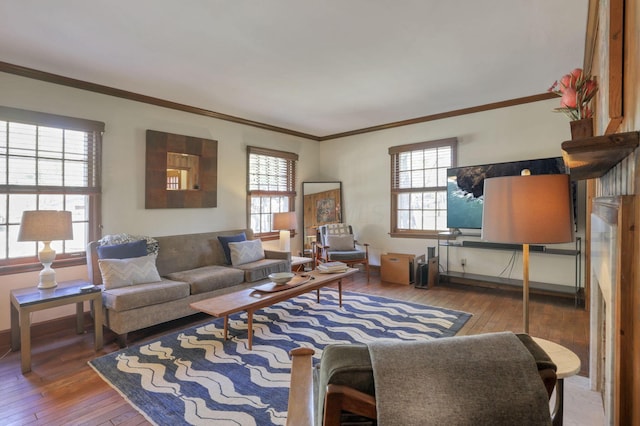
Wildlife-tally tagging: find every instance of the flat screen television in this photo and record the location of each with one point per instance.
(465, 187)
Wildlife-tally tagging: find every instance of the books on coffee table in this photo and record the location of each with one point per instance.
(332, 267)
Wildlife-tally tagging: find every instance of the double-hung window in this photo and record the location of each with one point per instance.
(271, 183)
(419, 187)
(47, 162)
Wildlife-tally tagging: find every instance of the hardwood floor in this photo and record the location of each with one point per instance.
(63, 389)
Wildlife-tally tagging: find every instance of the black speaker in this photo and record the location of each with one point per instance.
(422, 279)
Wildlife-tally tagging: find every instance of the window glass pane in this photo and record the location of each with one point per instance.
(255, 222)
(404, 180)
(429, 200)
(75, 173)
(20, 248)
(404, 161)
(22, 139)
(19, 203)
(430, 178)
(416, 219)
(442, 177)
(403, 219)
(431, 158)
(79, 237)
(416, 200)
(49, 172)
(22, 171)
(51, 202)
(3, 137)
(403, 201)
(77, 205)
(50, 143)
(429, 219)
(444, 157)
(3, 241)
(417, 160)
(3, 169)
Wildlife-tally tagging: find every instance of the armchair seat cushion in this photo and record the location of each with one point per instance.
(209, 278)
(335, 255)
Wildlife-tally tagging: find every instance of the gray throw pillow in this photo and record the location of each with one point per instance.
(246, 252)
(340, 242)
(125, 272)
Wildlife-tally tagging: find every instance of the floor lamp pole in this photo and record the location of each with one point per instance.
(525, 287)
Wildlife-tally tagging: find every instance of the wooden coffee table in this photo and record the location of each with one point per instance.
(264, 295)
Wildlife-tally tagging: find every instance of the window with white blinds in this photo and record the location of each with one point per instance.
(419, 187)
(47, 162)
(271, 182)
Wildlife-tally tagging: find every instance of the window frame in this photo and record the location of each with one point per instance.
(92, 190)
(395, 191)
(291, 159)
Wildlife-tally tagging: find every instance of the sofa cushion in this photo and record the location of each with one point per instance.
(246, 252)
(209, 278)
(141, 295)
(260, 270)
(225, 240)
(123, 251)
(126, 272)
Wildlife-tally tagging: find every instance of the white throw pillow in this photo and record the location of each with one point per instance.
(246, 252)
(340, 242)
(125, 272)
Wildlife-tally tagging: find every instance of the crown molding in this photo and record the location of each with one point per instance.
(137, 97)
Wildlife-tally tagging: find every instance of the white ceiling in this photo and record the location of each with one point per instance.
(318, 67)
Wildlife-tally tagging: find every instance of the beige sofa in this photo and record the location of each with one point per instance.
(192, 267)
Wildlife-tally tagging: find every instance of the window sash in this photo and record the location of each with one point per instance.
(419, 185)
(47, 162)
(271, 180)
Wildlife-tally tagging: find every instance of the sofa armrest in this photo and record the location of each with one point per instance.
(275, 254)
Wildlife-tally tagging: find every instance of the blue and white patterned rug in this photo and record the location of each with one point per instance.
(196, 377)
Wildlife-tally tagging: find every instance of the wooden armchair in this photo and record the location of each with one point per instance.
(336, 242)
(349, 395)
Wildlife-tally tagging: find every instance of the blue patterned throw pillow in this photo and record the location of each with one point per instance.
(123, 251)
(225, 240)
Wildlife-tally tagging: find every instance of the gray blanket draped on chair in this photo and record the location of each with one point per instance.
(489, 379)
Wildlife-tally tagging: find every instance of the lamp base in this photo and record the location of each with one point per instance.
(47, 278)
(285, 240)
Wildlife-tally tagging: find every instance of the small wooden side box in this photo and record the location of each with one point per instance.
(399, 268)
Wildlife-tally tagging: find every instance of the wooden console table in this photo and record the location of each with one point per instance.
(27, 300)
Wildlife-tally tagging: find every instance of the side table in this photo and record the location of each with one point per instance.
(568, 364)
(27, 300)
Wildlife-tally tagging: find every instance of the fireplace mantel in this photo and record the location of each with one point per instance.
(589, 158)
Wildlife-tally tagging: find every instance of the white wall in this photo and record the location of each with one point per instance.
(362, 163)
(123, 176)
